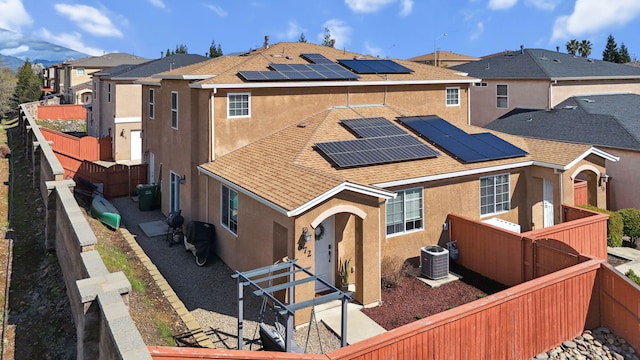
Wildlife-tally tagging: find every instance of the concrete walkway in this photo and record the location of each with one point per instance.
(631, 254)
(359, 325)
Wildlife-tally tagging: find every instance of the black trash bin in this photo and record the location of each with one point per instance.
(148, 195)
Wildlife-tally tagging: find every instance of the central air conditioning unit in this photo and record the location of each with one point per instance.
(503, 224)
(434, 262)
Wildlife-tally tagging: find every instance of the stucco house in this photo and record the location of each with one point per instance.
(540, 79)
(279, 165)
(70, 74)
(116, 109)
(610, 122)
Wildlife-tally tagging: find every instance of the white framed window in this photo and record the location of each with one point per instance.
(80, 71)
(174, 109)
(494, 194)
(502, 96)
(108, 92)
(152, 103)
(405, 212)
(238, 105)
(229, 211)
(453, 96)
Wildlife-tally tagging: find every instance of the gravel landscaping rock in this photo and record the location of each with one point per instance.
(599, 344)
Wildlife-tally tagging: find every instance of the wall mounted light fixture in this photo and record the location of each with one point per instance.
(183, 179)
(604, 178)
(122, 133)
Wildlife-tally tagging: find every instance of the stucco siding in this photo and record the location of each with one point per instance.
(623, 181)
(564, 90)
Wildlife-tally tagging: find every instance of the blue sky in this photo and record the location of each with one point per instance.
(385, 28)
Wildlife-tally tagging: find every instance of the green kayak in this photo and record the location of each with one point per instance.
(104, 211)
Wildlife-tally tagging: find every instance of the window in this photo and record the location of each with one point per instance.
(494, 194)
(502, 96)
(238, 105)
(453, 96)
(151, 103)
(480, 84)
(229, 213)
(404, 213)
(174, 109)
(80, 71)
(108, 92)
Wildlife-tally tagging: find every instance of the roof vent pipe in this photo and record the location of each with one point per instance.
(266, 41)
(521, 49)
(557, 48)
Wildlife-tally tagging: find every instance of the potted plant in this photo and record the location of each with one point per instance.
(343, 271)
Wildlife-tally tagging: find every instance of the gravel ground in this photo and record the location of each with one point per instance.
(209, 292)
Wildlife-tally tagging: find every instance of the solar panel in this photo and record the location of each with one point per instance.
(466, 147)
(372, 127)
(378, 150)
(316, 58)
(328, 71)
(375, 67)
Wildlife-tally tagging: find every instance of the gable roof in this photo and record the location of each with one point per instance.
(106, 60)
(545, 64)
(289, 175)
(223, 71)
(601, 120)
(146, 69)
(443, 56)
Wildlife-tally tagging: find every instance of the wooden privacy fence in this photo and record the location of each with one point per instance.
(118, 180)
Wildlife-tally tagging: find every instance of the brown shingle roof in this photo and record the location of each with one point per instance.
(285, 169)
(443, 56)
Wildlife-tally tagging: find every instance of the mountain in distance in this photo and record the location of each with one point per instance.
(15, 48)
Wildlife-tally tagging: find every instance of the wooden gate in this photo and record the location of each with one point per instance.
(551, 255)
(580, 192)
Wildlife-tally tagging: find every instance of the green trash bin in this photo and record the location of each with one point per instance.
(147, 196)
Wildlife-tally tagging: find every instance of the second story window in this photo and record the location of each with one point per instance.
(174, 109)
(238, 105)
(80, 71)
(502, 96)
(151, 103)
(453, 96)
(108, 92)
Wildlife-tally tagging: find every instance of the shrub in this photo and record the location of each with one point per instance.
(4, 151)
(614, 225)
(392, 271)
(631, 221)
(632, 275)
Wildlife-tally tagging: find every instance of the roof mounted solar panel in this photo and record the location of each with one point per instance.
(262, 75)
(378, 150)
(375, 67)
(467, 148)
(372, 127)
(316, 58)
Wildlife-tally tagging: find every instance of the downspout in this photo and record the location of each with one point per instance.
(206, 198)
(468, 107)
(561, 196)
(384, 98)
(212, 142)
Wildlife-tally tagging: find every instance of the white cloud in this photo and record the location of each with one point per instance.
(591, 16)
(218, 10)
(89, 19)
(478, 31)
(14, 51)
(294, 31)
(71, 41)
(13, 16)
(373, 50)
(501, 4)
(340, 32)
(407, 6)
(157, 3)
(547, 5)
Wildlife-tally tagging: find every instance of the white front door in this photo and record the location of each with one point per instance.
(547, 203)
(136, 145)
(324, 245)
(174, 192)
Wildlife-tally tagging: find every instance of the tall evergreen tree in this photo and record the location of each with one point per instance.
(326, 39)
(624, 54)
(572, 46)
(29, 85)
(168, 53)
(302, 38)
(585, 48)
(215, 51)
(8, 81)
(610, 52)
(181, 49)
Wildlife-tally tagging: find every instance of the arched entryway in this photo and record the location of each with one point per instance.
(585, 185)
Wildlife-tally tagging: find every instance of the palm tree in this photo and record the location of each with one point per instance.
(585, 48)
(572, 46)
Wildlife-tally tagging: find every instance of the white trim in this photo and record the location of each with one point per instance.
(248, 94)
(508, 175)
(285, 84)
(124, 120)
(595, 151)
(446, 96)
(184, 77)
(212, 141)
(379, 193)
(226, 226)
(618, 77)
(152, 103)
(404, 213)
(177, 110)
(336, 210)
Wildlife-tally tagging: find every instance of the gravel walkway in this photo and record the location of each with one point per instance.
(209, 292)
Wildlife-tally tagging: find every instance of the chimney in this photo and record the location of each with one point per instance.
(266, 41)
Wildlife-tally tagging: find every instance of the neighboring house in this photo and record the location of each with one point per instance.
(610, 122)
(445, 59)
(266, 157)
(115, 110)
(75, 72)
(541, 79)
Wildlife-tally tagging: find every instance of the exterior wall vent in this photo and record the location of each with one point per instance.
(434, 262)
